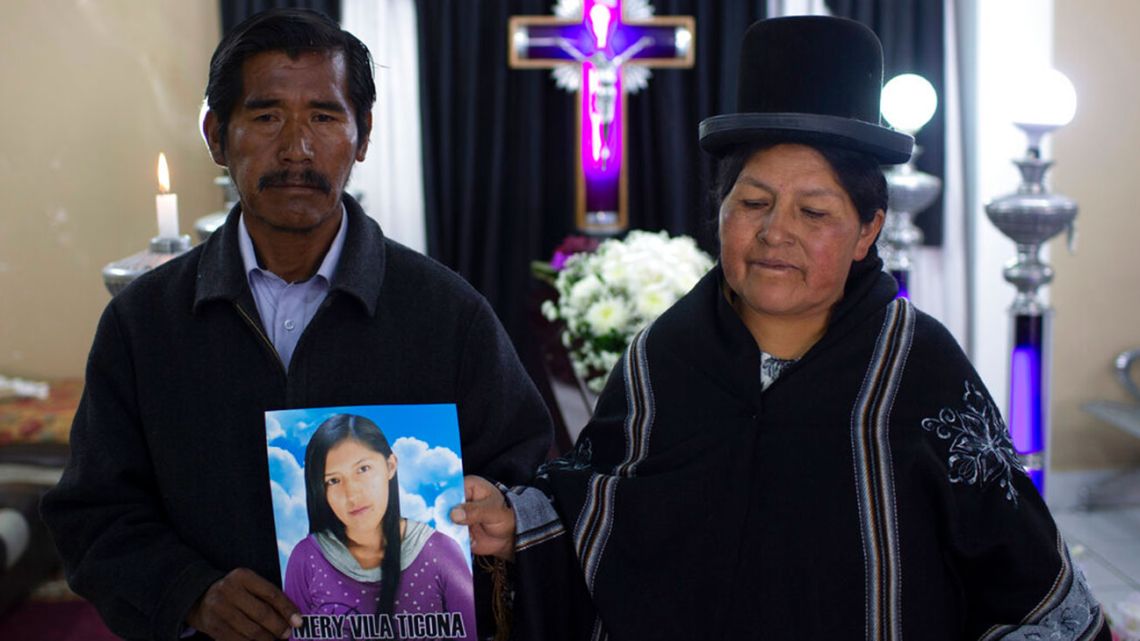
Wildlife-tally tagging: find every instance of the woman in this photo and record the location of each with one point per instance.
(360, 556)
(790, 452)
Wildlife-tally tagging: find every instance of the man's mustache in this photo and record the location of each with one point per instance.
(286, 178)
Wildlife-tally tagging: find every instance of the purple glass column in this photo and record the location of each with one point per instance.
(902, 277)
(1026, 395)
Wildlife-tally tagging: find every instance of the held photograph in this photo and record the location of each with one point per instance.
(361, 496)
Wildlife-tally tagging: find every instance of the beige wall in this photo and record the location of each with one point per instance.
(93, 91)
(1097, 291)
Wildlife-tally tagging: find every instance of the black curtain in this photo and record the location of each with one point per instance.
(497, 153)
(498, 142)
(911, 32)
(234, 11)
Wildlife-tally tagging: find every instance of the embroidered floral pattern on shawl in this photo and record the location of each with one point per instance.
(981, 451)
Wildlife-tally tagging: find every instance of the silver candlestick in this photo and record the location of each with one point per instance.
(910, 191)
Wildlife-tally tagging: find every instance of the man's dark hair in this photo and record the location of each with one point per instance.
(294, 31)
(859, 174)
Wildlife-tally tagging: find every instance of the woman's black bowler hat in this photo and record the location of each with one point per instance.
(811, 79)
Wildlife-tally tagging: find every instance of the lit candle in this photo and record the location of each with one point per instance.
(165, 202)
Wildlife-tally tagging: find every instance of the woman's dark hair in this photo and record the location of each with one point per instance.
(859, 174)
(294, 31)
(332, 431)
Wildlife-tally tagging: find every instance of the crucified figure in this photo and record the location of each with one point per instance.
(603, 87)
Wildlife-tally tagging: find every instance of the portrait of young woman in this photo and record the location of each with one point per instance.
(361, 556)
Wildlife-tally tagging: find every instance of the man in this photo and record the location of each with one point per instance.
(163, 516)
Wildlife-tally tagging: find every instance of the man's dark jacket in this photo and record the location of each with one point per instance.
(167, 489)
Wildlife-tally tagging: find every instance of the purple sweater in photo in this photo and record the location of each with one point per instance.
(437, 580)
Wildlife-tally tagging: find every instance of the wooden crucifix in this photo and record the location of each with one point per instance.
(602, 49)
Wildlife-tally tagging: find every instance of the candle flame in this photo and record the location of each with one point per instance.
(163, 174)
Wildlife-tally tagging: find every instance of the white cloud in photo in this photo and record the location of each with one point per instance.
(420, 465)
(285, 469)
(442, 511)
(288, 490)
(290, 516)
(413, 506)
(273, 429)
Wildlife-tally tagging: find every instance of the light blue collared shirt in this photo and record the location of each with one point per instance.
(287, 308)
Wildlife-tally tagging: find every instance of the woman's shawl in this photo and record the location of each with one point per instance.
(871, 492)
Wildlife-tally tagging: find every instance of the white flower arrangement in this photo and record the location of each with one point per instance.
(606, 297)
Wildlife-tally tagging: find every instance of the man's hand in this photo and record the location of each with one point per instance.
(242, 606)
(489, 519)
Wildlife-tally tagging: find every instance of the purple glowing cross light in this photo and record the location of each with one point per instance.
(602, 42)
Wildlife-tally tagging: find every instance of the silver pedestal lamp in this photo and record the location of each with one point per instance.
(1030, 217)
(908, 103)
